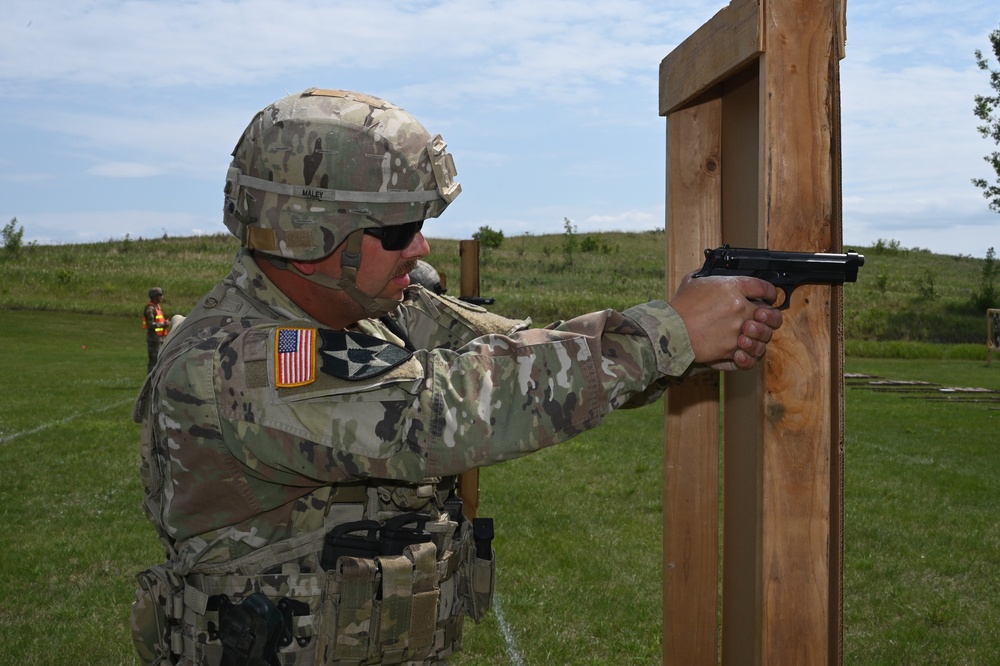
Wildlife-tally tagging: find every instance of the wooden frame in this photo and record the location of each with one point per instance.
(992, 333)
(468, 482)
(753, 160)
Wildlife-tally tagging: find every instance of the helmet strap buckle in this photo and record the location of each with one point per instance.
(350, 258)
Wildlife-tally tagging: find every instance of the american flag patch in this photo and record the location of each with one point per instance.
(295, 357)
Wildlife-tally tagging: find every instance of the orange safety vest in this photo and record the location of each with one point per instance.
(159, 320)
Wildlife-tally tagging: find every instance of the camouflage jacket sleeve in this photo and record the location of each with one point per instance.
(437, 412)
(149, 314)
(432, 321)
(501, 397)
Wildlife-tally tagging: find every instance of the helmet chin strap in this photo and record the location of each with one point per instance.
(350, 260)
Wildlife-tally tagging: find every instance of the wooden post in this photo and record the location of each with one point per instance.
(691, 489)
(992, 333)
(468, 482)
(753, 160)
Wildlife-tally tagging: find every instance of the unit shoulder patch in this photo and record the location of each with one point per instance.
(356, 356)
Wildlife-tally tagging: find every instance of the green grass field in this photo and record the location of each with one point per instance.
(73, 536)
(901, 295)
(579, 525)
(922, 564)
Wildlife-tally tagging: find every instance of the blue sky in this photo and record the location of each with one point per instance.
(120, 116)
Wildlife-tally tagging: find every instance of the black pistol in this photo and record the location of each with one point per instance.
(785, 270)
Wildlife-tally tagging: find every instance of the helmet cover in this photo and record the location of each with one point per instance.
(314, 167)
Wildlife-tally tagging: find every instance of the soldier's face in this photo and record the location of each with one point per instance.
(382, 273)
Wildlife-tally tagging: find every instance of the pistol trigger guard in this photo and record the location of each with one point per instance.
(787, 300)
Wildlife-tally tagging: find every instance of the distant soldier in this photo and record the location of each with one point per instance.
(427, 277)
(155, 325)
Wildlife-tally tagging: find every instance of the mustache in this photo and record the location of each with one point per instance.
(406, 268)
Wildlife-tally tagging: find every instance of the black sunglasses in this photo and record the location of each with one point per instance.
(396, 237)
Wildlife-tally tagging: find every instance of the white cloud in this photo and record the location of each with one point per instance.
(628, 219)
(124, 170)
(549, 107)
(96, 226)
(519, 45)
(24, 177)
(909, 138)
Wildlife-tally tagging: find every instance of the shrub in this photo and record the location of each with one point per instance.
(925, 285)
(570, 241)
(488, 238)
(986, 296)
(13, 237)
(888, 247)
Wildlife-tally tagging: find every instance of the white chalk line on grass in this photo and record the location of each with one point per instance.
(513, 652)
(72, 417)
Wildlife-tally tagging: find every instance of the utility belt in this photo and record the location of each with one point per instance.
(364, 592)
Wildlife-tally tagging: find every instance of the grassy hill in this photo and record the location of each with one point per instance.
(909, 296)
(579, 525)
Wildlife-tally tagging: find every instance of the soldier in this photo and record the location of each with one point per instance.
(155, 325)
(426, 276)
(304, 426)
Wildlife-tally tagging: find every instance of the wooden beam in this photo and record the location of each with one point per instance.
(744, 391)
(729, 41)
(691, 457)
(837, 436)
(468, 482)
(767, 72)
(798, 100)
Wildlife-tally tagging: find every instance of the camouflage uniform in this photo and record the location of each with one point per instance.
(244, 475)
(302, 479)
(155, 325)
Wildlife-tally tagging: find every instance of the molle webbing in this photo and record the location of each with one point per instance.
(387, 609)
(357, 590)
(396, 608)
(381, 610)
(425, 595)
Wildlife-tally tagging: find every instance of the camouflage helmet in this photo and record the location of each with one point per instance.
(314, 167)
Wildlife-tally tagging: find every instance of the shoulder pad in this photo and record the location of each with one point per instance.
(434, 321)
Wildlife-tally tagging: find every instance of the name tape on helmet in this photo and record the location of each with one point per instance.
(320, 194)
